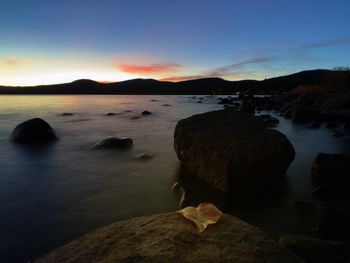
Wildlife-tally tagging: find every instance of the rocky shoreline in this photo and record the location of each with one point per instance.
(234, 152)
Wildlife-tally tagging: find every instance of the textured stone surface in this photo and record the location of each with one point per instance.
(232, 150)
(171, 238)
(314, 250)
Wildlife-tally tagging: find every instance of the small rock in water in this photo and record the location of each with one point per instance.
(111, 114)
(33, 131)
(67, 114)
(144, 156)
(146, 112)
(113, 143)
(135, 118)
(166, 105)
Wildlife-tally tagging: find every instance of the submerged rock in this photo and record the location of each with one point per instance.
(314, 250)
(113, 143)
(332, 169)
(67, 114)
(33, 131)
(144, 156)
(171, 238)
(146, 113)
(232, 150)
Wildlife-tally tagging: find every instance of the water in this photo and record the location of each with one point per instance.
(53, 195)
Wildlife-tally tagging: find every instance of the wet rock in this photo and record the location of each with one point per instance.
(304, 115)
(146, 113)
(144, 156)
(322, 221)
(67, 114)
(199, 101)
(111, 114)
(232, 150)
(332, 169)
(315, 125)
(171, 238)
(269, 120)
(338, 134)
(113, 143)
(314, 250)
(33, 131)
(248, 107)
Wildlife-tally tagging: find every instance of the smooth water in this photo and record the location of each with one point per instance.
(52, 195)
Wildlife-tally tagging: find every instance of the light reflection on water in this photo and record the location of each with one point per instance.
(53, 195)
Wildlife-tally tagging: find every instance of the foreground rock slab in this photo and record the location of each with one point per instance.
(232, 150)
(171, 238)
(33, 131)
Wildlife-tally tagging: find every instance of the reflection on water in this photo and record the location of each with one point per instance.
(52, 195)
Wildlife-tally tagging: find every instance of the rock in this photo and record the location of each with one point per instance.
(248, 106)
(314, 250)
(169, 237)
(67, 114)
(338, 134)
(33, 131)
(232, 150)
(166, 105)
(113, 143)
(144, 156)
(111, 114)
(332, 169)
(322, 221)
(269, 120)
(315, 125)
(135, 118)
(146, 113)
(199, 101)
(304, 115)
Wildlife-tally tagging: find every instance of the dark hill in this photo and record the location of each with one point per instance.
(325, 79)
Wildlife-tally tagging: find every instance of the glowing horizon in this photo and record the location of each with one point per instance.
(59, 42)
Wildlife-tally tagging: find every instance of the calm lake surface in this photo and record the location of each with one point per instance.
(50, 196)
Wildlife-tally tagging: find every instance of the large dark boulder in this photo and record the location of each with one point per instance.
(33, 131)
(232, 150)
(332, 170)
(314, 250)
(171, 238)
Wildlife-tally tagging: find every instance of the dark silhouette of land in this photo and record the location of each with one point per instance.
(317, 79)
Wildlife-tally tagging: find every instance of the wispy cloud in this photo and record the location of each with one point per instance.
(149, 69)
(233, 68)
(183, 78)
(322, 44)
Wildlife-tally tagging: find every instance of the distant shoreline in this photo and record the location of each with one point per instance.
(205, 86)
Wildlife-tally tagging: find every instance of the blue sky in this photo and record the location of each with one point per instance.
(44, 41)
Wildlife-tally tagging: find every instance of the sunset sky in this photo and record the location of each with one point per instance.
(48, 41)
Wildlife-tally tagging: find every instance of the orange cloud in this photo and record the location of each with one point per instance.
(11, 62)
(149, 69)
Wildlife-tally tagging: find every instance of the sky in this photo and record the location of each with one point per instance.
(57, 41)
